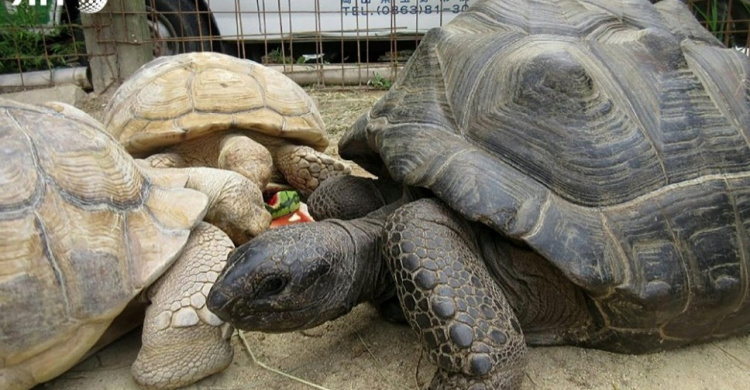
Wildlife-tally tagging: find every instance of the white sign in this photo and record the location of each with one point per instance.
(33, 2)
(85, 6)
(260, 20)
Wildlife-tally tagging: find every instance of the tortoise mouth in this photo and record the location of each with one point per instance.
(257, 316)
(277, 321)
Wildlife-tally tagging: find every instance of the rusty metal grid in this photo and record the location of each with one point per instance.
(361, 41)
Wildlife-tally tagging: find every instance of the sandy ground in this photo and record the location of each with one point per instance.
(361, 351)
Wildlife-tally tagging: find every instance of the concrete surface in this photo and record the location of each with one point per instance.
(69, 93)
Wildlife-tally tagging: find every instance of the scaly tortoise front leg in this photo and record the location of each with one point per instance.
(464, 321)
(182, 340)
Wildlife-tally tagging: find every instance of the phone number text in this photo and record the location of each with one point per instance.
(403, 10)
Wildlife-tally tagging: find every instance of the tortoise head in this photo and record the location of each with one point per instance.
(290, 278)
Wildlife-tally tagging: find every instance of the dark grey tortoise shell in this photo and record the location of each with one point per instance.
(611, 137)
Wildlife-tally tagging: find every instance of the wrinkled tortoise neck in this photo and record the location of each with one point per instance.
(372, 280)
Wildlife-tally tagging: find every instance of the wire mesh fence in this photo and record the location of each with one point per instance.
(331, 42)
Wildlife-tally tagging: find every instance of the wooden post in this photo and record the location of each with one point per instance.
(118, 41)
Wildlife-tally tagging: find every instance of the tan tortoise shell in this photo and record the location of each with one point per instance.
(83, 232)
(177, 98)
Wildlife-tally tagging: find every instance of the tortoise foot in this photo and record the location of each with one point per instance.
(305, 168)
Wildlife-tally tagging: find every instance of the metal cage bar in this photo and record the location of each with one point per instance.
(323, 42)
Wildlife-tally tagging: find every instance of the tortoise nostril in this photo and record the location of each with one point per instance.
(217, 301)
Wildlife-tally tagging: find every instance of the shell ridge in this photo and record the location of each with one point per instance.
(534, 230)
(680, 111)
(417, 175)
(51, 259)
(627, 274)
(451, 114)
(701, 180)
(129, 255)
(680, 250)
(481, 75)
(95, 204)
(168, 229)
(238, 111)
(683, 263)
(538, 135)
(129, 143)
(260, 85)
(141, 270)
(743, 237)
(190, 92)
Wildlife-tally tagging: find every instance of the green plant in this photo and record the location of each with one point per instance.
(24, 46)
(717, 16)
(380, 82)
(276, 56)
(715, 19)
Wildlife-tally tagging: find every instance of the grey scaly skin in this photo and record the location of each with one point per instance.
(300, 276)
(303, 275)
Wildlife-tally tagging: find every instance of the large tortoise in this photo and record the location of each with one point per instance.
(85, 231)
(214, 110)
(576, 172)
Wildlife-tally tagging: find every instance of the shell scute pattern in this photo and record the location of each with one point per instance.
(625, 107)
(203, 93)
(88, 171)
(67, 171)
(35, 278)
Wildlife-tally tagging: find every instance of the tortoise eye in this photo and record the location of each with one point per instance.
(271, 286)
